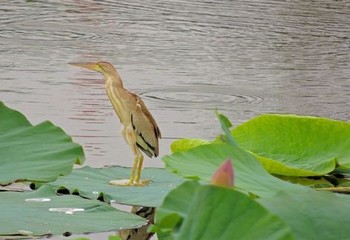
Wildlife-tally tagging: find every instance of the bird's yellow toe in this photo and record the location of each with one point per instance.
(127, 183)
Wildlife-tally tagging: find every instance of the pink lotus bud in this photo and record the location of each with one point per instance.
(223, 176)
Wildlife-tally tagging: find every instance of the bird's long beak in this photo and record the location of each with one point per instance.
(88, 65)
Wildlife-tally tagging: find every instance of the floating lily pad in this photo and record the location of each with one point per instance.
(42, 212)
(34, 153)
(93, 183)
(296, 145)
(192, 211)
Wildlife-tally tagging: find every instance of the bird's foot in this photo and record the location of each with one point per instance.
(141, 183)
(127, 183)
(120, 182)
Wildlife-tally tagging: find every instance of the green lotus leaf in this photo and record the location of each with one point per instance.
(293, 145)
(225, 127)
(34, 153)
(210, 212)
(201, 162)
(186, 144)
(314, 182)
(93, 183)
(312, 214)
(42, 212)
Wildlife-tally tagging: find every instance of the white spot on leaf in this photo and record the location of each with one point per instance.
(69, 211)
(37, 200)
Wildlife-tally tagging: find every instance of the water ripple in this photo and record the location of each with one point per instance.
(207, 97)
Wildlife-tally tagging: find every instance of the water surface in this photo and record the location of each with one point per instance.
(184, 58)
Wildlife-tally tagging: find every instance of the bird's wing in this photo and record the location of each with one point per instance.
(145, 127)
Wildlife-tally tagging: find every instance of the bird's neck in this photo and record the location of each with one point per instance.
(114, 89)
(114, 80)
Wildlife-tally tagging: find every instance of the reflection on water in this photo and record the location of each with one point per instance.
(184, 58)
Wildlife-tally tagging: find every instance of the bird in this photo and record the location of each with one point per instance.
(138, 127)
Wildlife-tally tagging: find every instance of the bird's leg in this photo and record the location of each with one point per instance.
(137, 180)
(130, 138)
(134, 179)
(135, 168)
(134, 172)
(139, 169)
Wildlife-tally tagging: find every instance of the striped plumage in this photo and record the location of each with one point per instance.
(139, 128)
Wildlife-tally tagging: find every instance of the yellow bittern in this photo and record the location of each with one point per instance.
(139, 128)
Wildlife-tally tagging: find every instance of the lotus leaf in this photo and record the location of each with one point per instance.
(92, 183)
(42, 212)
(34, 153)
(201, 162)
(293, 145)
(312, 214)
(210, 212)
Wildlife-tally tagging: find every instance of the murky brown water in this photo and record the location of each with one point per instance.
(184, 57)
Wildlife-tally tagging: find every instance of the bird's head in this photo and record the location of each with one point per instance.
(102, 67)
